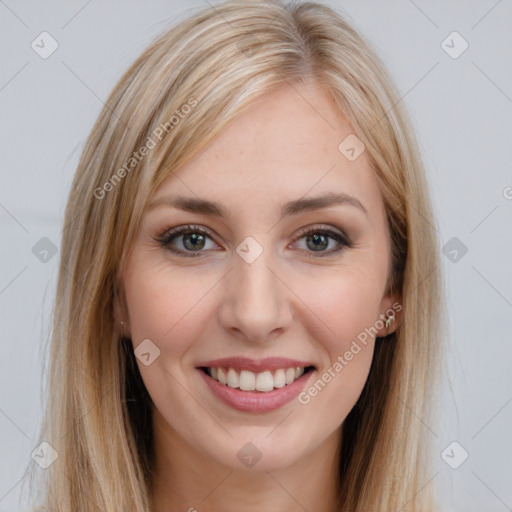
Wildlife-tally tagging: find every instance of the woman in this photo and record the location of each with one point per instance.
(249, 303)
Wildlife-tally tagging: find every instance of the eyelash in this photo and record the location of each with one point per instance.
(167, 236)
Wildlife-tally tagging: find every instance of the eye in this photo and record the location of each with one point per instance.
(193, 239)
(318, 238)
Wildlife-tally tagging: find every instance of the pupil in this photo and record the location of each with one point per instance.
(195, 239)
(318, 240)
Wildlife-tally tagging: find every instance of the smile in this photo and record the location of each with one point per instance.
(255, 385)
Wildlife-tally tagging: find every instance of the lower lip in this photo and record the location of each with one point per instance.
(256, 401)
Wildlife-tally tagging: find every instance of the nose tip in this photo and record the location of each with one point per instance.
(254, 302)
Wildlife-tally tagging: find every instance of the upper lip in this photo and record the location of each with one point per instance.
(254, 365)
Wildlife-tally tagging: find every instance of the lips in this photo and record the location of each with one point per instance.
(243, 397)
(256, 385)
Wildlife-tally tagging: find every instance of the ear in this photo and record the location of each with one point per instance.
(120, 313)
(391, 308)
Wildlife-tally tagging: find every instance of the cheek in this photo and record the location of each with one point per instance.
(340, 313)
(164, 306)
(340, 307)
(347, 348)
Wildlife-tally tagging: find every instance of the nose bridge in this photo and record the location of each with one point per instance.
(255, 302)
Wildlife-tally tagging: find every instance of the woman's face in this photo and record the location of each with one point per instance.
(256, 285)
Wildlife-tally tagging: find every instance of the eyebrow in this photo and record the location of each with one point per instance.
(198, 205)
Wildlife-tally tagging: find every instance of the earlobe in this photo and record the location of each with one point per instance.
(390, 318)
(120, 314)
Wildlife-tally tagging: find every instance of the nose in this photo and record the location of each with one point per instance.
(256, 305)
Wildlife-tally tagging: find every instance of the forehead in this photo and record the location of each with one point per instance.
(285, 146)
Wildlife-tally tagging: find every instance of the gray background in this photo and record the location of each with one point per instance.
(462, 111)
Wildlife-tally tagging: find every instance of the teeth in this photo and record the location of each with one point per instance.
(233, 379)
(279, 378)
(290, 375)
(221, 375)
(250, 381)
(247, 381)
(264, 382)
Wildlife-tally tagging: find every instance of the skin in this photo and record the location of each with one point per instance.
(290, 305)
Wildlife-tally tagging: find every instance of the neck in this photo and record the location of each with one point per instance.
(186, 480)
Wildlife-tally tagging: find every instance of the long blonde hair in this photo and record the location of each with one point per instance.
(175, 98)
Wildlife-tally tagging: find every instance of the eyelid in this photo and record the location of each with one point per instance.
(322, 228)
